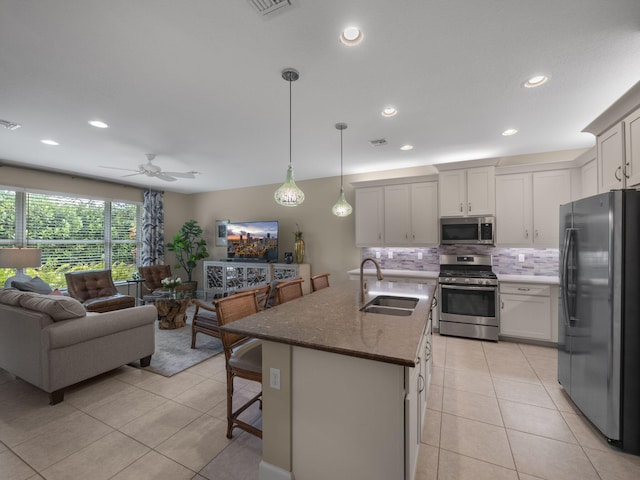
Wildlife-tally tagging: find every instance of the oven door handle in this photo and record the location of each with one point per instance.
(468, 287)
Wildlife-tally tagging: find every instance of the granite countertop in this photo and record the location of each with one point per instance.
(390, 273)
(539, 279)
(330, 320)
(419, 274)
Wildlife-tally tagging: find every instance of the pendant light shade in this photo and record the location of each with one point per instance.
(289, 194)
(341, 207)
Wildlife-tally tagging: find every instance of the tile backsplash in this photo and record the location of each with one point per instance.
(537, 261)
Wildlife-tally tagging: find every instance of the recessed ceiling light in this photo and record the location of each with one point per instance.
(351, 36)
(98, 124)
(406, 147)
(509, 131)
(389, 112)
(48, 141)
(535, 81)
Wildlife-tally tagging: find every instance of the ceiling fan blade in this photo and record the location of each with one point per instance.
(118, 168)
(131, 174)
(181, 174)
(165, 177)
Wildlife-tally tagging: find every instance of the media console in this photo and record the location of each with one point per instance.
(222, 277)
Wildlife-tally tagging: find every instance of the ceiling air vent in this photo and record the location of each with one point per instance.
(380, 142)
(265, 7)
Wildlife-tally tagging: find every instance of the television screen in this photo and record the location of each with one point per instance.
(252, 241)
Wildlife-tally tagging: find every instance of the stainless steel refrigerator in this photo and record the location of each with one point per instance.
(599, 312)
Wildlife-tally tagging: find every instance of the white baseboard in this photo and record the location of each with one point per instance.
(271, 472)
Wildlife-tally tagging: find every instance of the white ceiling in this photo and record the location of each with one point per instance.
(198, 83)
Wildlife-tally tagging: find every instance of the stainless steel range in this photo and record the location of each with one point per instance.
(468, 297)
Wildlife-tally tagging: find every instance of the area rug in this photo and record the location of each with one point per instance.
(174, 353)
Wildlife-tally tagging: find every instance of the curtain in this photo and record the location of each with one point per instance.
(152, 228)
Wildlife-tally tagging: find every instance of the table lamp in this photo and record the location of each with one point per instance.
(19, 258)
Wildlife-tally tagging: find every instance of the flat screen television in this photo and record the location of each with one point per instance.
(252, 241)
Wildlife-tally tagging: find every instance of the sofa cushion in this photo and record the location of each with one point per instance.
(34, 285)
(10, 296)
(57, 307)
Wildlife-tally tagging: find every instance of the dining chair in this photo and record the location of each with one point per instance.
(205, 320)
(319, 281)
(262, 296)
(289, 290)
(243, 356)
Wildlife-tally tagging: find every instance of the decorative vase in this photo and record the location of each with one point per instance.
(172, 293)
(298, 249)
(288, 257)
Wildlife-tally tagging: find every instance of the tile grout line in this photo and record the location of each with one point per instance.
(513, 458)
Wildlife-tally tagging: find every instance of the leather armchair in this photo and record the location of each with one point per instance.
(153, 276)
(96, 291)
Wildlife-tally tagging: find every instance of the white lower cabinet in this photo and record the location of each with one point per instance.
(417, 381)
(526, 311)
(365, 416)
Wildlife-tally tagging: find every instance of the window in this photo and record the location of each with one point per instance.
(74, 233)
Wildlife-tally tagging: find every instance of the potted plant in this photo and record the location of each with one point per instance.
(189, 247)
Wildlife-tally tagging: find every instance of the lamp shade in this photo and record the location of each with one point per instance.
(20, 257)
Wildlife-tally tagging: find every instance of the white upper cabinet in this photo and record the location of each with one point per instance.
(411, 214)
(619, 154)
(589, 179)
(467, 192)
(550, 190)
(397, 225)
(424, 213)
(632, 151)
(369, 216)
(527, 207)
(617, 132)
(453, 193)
(513, 210)
(611, 158)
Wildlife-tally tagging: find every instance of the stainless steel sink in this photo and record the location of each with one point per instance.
(390, 305)
(398, 312)
(396, 302)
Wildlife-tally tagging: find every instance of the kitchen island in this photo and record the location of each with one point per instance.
(344, 391)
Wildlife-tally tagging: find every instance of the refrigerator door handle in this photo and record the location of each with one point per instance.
(568, 237)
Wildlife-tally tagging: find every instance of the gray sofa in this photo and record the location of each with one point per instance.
(52, 342)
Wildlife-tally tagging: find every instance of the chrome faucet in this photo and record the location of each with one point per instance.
(363, 286)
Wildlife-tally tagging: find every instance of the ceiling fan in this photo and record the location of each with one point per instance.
(151, 170)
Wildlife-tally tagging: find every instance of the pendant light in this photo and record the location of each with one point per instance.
(342, 207)
(289, 194)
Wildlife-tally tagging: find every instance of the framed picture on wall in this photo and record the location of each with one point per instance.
(221, 233)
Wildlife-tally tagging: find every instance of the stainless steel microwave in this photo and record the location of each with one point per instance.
(467, 231)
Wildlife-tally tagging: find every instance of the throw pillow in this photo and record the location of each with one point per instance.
(34, 285)
(10, 296)
(57, 307)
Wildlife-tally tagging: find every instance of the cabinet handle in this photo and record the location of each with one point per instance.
(379, 236)
(502, 304)
(469, 206)
(406, 236)
(526, 234)
(522, 289)
(536, 233)
(624, 170)
(420, 383)
(615, 174)
(461, 208)
(427, 350)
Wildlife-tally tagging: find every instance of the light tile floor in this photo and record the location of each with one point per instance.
(495, 411)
